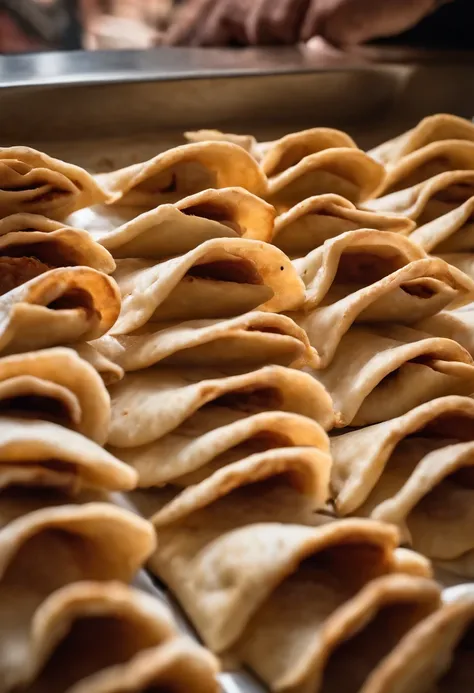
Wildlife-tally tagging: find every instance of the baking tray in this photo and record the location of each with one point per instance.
(105, 110)
(109, 109)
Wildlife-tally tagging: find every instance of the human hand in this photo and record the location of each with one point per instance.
(260, 22)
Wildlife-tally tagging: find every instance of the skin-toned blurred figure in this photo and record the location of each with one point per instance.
(256, 22)
(339, 25)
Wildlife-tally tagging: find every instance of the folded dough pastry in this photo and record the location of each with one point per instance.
(95, 541)
(234, 580)
(429, 495)
(109, 638)
(183, 171)
(174, 229)
(383, 372)
(427, 200)
(213, 439)
(179, 665)
(288, 483)
(279, 155)
(58, 307)
(38, 453)
(416, 474)
(331, 646)
(219, 279)
(424, 163)
(435, 656)
(33, 182)
(57, 385)
(435, 128)
(51, 243)
(434, 424)
(456, 324)
(148, 404)
(317, 219)
(372, 276)
(248, 341)
(342, 170)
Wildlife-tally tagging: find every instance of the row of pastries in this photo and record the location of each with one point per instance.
(269, 347)
(71, 619)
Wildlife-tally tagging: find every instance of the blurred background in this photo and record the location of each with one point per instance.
(38, 25)
(34, 25)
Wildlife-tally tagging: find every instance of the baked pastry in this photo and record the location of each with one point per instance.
(40, 453)
(287, 600)
(93, 637)
(58, 307)
(316, 219)
(453, 324)
(141, 410)
(51, 244)
(428, 200)
(451, 237)
(341, 170)
(435, 128)
(383, 371)
(278, 155)
(35, 183)
(367, 276)
(56, 385)
(174, 229)
(45, 545)
(221, 278)
(245, 342)
(183, 171)
(423, 164)
(415, 473)
(433, 656)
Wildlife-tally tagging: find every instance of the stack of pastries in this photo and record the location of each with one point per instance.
(70, 621)
(269, 347)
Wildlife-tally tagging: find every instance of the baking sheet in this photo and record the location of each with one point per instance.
(103, 109)
(108, 110)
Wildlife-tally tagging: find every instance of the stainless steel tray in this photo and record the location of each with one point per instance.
(107, 110)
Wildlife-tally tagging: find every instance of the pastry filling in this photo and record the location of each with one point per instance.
(15, 271)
